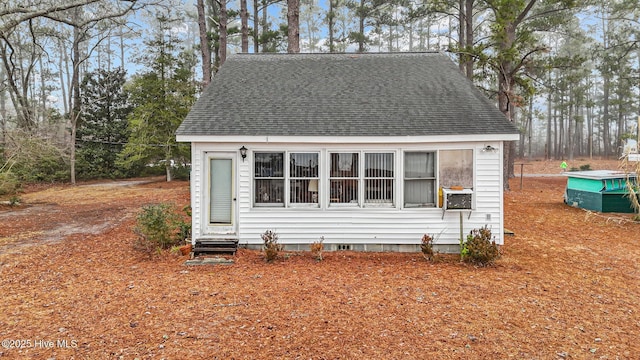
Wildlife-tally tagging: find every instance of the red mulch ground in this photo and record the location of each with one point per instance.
(567, 286)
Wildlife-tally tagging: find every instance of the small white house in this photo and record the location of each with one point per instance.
(368, 151)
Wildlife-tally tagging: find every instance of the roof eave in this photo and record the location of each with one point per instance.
(346, 139)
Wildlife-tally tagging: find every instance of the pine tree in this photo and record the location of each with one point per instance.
(103, 126)
(161, 97)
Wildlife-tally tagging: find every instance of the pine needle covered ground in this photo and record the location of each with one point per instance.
(566, 286)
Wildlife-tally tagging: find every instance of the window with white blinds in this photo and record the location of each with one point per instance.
(344, 178)
(379, 178)
(357, 178)
(303, 178)
(376, 179)
(221, 191)
(420, 179)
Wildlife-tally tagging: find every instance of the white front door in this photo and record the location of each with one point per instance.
(221, 194)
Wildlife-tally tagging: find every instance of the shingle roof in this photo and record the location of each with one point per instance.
(392, 94)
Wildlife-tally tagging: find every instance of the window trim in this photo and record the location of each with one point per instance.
(330, 179)
(394, 181)
(361, 180)
(433, 178)
(324, 178)
(289, 178)
(286, 179)
(255, 177)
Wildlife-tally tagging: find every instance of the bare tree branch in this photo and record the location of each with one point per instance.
(28, 14)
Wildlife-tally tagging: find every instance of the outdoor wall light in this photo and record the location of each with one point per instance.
(243, 152)
(489, 148)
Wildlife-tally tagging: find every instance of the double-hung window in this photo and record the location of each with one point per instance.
(303, 178)
(344, 178)
(378, 179)
(419, 179)
(269, 179)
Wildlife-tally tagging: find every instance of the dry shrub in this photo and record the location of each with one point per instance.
(271, 246)
(317, 247)
(426, 246)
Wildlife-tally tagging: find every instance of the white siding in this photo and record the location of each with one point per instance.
(197, 179)
(356, 225)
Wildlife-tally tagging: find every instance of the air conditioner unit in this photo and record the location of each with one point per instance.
(457, 199)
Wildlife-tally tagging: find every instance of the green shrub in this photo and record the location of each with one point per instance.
(158, 227)
(184, 226)
(9, 183)
(181, 172)
(480, 249)
(271, 246)
(14, 200)
(41, 162)
(585, 167)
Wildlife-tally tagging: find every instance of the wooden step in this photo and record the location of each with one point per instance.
(215, 246)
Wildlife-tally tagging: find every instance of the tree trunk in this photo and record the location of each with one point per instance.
(293, 22)
(212, 8)
(43, 93)
(18, 92)
(122, 56)
(421, 37)
(256, 25)
(506, 85)
(621, 125)
(561, 143)
(549, 115)
(579, 131)
(331, 30)
(265, 26)
(109, 60)
(606, 137)
(469, 38)
(521, 142)
(74, 97)
(570, 121)
(167, 168)
(410, 30)
(3, 111)
(63, 64)
(361, 27)
(223, 32)
(462, 22)
(530, 127)
(205, 49)
(508, 64)
(244, 28)
(589, 149)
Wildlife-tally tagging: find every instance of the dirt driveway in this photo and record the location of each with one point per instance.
(58, 212)
(566, 287)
